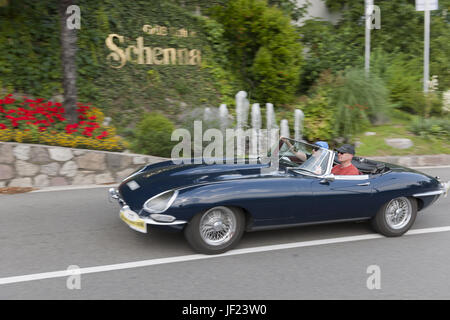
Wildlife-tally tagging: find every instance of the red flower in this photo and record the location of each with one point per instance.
(2, 126)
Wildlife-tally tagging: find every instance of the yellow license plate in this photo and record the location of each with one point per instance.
(133, 221)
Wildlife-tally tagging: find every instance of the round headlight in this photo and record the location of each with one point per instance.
(160, 202)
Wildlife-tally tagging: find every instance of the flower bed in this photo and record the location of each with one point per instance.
(36, 121)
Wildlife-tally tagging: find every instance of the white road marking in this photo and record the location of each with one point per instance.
(154, 262)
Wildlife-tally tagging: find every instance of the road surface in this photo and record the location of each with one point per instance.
(42, 234)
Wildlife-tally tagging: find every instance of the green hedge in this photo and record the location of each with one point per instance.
(30, 59)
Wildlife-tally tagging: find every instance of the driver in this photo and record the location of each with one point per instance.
(301, 155)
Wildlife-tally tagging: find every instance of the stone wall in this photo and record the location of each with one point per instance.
(33, 165)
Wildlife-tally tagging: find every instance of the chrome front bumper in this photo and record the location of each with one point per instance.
(445, 186)
(114, 194)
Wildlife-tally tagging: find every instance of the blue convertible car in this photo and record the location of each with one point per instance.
(214, 204)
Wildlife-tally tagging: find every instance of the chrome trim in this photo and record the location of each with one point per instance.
(445, 188)
(114, 194)
(169, 203)
(158, 216)
(153, 222)
(352, 177)
(150, 221)
(427, 194)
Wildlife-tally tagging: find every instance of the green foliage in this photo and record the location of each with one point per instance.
(264, 50)
(432, 128)
(402, 28)
(30, 59)
(152, 135)
(403, 79)
(358, 100)
(217, 62)
(319, 113)
(335, 5)
(27, 42)
(328, 49)
(291, 8)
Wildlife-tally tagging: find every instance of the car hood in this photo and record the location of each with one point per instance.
(154, 179)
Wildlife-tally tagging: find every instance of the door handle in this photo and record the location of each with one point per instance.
(364, 184)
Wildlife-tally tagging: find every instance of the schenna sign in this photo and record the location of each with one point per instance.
(141, 54)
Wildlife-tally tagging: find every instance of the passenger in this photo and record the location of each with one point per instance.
(345, 156)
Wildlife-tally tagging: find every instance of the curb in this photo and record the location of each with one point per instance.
(416, 160)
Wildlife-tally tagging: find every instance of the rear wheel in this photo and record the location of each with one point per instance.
(216, 230)
(395, 217)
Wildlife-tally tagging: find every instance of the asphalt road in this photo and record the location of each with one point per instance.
(43, 232)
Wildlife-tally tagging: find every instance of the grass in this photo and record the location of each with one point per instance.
(398, 128)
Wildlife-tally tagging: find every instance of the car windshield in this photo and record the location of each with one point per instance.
(303, 156)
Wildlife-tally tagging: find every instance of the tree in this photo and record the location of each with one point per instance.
(342, 45)
(264, 49)
(68, 54)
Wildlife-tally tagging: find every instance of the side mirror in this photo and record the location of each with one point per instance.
(328, 178)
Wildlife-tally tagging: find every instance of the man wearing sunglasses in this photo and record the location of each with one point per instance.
(345, 156)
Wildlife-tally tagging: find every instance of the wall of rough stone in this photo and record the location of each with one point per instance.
(33, 165)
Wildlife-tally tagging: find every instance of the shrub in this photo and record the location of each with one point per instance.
(319, 118)
(152, 135)
(403, 78)
(358, 101)
(264, 48)
(36, 121)
(432, 128)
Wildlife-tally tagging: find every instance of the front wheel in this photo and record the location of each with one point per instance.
(216, 230)
(395, 217)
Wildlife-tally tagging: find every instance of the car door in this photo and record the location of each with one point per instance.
(345, 197)
(276, 201)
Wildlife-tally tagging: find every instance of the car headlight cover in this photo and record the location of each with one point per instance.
(161, 202)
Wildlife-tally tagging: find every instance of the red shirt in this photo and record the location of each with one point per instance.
(350, 170)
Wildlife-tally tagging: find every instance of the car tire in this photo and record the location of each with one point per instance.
(395, 217)
(216, 230)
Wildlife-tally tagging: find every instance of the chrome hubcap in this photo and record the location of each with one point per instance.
(398, 213)
(217, 226)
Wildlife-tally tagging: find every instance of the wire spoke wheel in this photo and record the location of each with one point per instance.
(398, 213)
(217, 226)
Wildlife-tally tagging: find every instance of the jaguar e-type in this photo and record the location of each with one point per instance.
(214, 204)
